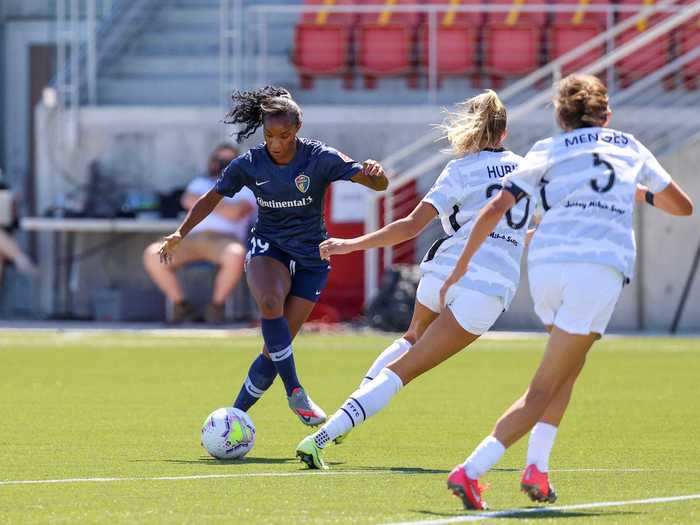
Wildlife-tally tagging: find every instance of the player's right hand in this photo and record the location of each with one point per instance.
(334, 246)
(168, 246)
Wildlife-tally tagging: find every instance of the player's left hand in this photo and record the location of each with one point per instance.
(452, 279)
(372, 168)
(334, 246)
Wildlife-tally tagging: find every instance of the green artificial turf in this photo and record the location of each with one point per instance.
(126, 406)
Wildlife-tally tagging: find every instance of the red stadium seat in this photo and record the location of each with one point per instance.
(322, 43)
(456, 50)
(322, 50)
(647, 59)
(385, 43)
(512, 41)
(457, 35)
(688, 38)
(572, 29)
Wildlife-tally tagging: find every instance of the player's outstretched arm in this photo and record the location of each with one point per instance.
(203, 207)
(672, 199)
(372, 176)
(391, 234)
(485, 223)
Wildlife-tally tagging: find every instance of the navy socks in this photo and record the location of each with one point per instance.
(261, 374)
(278, 340)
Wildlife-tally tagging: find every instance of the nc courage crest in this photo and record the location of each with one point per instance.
(302, 182)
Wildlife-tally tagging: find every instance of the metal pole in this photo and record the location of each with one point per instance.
(388, 217)
(260, 63)
(92, 52)
(432, 57)
(641, 267)
(238, 28)
(223, 49)
(61, 52)
(372, 256)
(74, 89)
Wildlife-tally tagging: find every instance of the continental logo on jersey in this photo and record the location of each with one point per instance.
(296, 203)
(303, 182)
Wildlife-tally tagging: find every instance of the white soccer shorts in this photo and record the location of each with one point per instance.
(474, 311)
(578, 298)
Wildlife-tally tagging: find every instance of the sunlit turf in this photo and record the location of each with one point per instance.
(116, 405)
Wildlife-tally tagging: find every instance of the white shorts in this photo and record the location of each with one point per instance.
(474, 311)
(578, 298)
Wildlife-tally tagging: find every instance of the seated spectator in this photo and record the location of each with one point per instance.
(9, 249)
(218, 239)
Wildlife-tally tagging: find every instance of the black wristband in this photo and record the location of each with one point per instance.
(649, 197)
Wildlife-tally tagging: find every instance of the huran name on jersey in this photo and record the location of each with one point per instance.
(501, 170)
(590, 137)
(296, 203)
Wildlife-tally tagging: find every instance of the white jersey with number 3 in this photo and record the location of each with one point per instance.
(463, 188)
(586, 181)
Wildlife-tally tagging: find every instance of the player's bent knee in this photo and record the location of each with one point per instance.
(271, 305)
(537, 397)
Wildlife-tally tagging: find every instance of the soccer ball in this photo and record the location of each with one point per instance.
(228, 433)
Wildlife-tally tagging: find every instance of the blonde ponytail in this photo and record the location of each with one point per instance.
(479, 123)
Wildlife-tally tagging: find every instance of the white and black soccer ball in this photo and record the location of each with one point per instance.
(228, 433)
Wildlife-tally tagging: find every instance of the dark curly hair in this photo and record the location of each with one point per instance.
(250, 108)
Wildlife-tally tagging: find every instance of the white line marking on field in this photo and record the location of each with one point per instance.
(544, 510)
(198, 476)
(386, 472)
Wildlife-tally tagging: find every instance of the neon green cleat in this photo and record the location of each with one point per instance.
(308, 452)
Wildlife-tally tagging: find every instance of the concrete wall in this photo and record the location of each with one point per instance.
(667, 247)
(161, 148)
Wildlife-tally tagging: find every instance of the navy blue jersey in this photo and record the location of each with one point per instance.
(290, 198)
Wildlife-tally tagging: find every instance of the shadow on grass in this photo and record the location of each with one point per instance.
(206, 460)
(530, 513)
(209, 461)
(403, 470)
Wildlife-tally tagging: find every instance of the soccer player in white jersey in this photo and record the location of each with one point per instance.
(465, 185)
(581, 255)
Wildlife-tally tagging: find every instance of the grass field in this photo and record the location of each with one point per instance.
(116, 417)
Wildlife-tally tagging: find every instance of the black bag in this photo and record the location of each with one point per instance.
(392, 308)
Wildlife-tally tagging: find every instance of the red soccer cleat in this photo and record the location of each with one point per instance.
(466, 489)
(536, 485)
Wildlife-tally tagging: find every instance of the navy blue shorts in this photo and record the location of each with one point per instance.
(307, 283)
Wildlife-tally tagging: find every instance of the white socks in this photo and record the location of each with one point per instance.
(363, 403)
(485, 456)
(540, 445)
(390, 354)
(490, 451)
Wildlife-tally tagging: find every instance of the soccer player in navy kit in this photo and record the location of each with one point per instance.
(289, 176)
